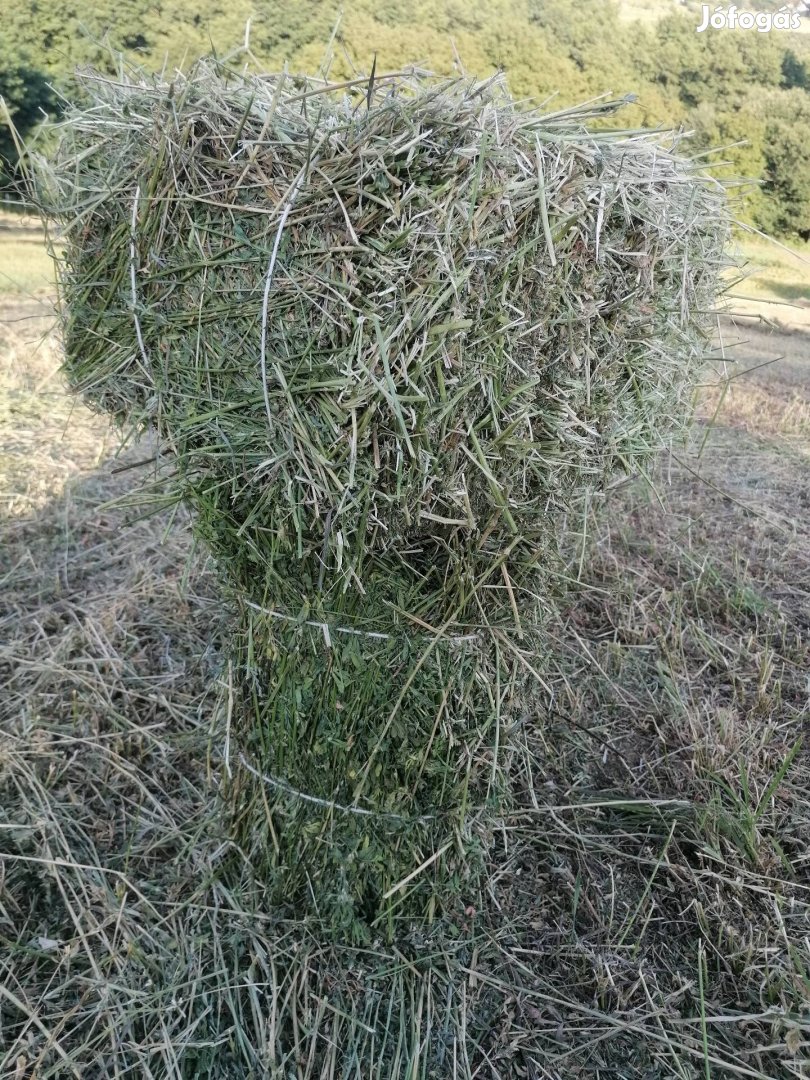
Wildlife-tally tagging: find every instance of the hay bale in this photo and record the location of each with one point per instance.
(387, 335)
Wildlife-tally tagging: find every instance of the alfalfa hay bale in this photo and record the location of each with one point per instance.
(387, 336)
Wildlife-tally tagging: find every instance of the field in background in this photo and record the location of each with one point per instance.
(777, 282)
(25, 266)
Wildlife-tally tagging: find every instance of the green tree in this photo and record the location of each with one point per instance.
(795, 71)
(27, 98)
(720, 67)
(786, 118)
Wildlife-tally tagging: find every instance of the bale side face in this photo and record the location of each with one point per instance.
(387, 343)
(373, 771)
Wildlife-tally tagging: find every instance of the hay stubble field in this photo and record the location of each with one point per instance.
(651, 916)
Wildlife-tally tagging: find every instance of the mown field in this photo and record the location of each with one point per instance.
(650, 912)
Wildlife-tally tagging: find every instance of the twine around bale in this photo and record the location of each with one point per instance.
(328, 804)
(328, 630)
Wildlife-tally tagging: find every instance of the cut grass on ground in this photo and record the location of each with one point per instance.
(650, 913)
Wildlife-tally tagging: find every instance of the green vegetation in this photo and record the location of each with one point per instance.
(727, 86)
(27, 98)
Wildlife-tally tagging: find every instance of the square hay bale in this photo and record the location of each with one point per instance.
(389, 335)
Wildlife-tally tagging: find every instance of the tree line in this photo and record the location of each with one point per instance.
(743, 91)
